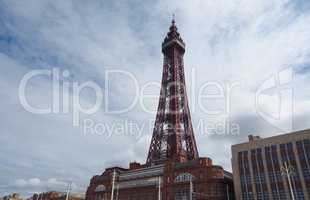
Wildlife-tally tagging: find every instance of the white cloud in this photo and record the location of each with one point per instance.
(20, 183)
(34, 181)
(26, 183)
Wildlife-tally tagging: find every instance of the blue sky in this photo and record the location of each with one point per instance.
(226, 41)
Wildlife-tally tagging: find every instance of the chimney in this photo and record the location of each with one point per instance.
(253, 138)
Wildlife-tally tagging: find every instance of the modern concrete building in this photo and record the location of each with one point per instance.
(272, 168)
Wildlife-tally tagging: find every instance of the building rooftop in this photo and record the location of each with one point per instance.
(257, 141)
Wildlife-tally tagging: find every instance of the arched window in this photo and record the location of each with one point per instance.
(100, 188)
(184, 177)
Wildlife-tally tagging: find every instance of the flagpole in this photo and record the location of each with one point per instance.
(191, 189)
(227, 191)
(159, 188)
(113, 184)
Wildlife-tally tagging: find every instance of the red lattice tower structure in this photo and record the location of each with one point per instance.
(173, 136)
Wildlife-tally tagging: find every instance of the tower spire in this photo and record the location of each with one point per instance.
(173, 27)
(173, 136)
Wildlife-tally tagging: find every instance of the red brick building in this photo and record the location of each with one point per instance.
(173, 169)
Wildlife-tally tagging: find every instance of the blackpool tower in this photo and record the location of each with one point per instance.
(173, 136)
(173, 169)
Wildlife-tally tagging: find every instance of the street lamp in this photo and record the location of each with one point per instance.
(288, 170)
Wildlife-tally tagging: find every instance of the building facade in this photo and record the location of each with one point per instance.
(173, 168)
(273, 168)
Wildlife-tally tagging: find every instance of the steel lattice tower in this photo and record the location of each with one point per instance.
(173, 136)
